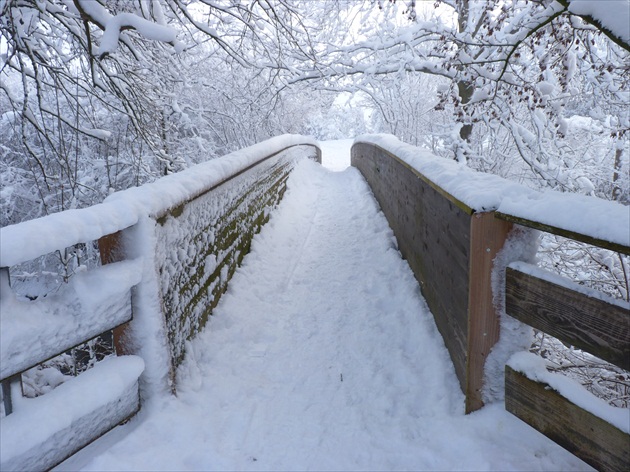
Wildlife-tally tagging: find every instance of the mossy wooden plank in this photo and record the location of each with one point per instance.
(204, 243)
(623, 249)
(589, 437)
(590, 324)
(177, 208)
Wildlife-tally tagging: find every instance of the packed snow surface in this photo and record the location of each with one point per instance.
(321, 355)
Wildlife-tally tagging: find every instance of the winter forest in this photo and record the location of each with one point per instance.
(99, 96)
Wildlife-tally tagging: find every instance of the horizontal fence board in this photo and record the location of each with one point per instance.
(587, 436)
(36, 331)
(584, 238)
(590, 324)
(76, 413)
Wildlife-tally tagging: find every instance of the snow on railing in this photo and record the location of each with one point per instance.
(170, 248)
(38, 433)
(589, 219)
(460, 231)
(557, 406)
(22, 242)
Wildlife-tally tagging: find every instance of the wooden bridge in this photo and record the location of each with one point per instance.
(169, 249)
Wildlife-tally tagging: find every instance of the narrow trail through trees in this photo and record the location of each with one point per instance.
(321, 355)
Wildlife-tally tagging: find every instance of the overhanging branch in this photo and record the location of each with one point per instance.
(614, 37)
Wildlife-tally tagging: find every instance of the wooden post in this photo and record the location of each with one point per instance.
(11, 386)
(112, 250)
(487, 237)
(11, 393)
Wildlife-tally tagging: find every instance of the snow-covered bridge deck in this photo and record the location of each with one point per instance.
(322, 355)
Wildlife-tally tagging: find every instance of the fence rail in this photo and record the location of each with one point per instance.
(591, 323)
(167, 250)
(598, 326)
(445, 216)
(34, 331)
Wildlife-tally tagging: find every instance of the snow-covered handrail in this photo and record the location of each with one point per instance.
(583, 218)
(24, 241)
(454, 226)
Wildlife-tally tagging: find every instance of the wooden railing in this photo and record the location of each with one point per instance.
(168, 250)
(451, 223)
(450, 248)
(35, 331)
(172, 246)
(591, 322)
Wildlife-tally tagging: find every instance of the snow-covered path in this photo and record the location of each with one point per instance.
(322, 356)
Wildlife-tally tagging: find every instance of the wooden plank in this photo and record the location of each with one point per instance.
(66, 320)
(590, 438)
(458, 203)
(433, 235)
(176, 208)
(77, 412)
(590, 324)
(623, 249)
(112, 249)
(487, 237)
(205, 242)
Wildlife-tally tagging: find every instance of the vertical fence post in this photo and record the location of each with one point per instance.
(11, 393)
(112, 250)
(11, 386)
(487, 237)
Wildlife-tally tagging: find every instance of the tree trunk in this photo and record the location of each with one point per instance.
(465, 90)
(616, 192)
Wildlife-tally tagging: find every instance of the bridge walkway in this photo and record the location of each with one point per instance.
(322, 355)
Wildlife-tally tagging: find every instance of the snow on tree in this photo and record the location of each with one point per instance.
(517, 71)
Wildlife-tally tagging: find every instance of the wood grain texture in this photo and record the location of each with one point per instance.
(595, 326)
(111, 248)
(200, 245)
(487, 237)
(623, 249)
(590, 438)
(433, 234)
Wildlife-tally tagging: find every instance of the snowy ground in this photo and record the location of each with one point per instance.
(322, 356)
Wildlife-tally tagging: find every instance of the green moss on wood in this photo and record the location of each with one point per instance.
(233, 231)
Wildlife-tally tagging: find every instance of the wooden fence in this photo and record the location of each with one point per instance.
(42, 329)
(598, 326)
(178, 257)
(199, 243)
(451, 248)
